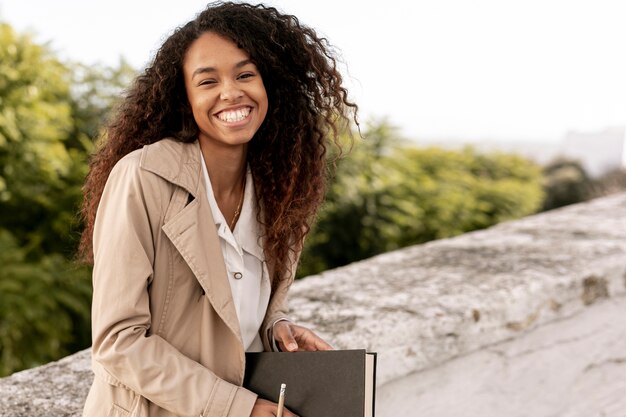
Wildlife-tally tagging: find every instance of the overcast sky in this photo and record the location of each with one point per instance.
(447, 69)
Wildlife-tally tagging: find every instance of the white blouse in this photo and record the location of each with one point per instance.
(245, 263)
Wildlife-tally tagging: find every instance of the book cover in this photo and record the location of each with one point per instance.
(335, 383)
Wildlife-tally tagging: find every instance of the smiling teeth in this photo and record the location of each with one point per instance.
(235, 115)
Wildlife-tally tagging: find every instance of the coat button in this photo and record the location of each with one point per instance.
(237, 275)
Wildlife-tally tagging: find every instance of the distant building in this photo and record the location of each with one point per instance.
(598, 152)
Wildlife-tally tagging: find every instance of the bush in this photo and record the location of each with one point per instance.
(386, 196)
(565, 182)
(44, 307)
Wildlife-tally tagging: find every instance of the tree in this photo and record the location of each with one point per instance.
(35, 119)
(95, 91)
(50, 115)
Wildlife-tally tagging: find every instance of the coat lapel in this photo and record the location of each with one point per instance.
(192, 230)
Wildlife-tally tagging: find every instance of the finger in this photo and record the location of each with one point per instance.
(320, 344)
(285, 338)
(314, 345)
(309, 341)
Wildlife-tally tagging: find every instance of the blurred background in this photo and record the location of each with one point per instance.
(472, 113)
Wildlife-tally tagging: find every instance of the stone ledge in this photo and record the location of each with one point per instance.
(57, 389)
(424, 305)
(573, 367)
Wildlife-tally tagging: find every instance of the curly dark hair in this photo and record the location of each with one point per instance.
(308, 109)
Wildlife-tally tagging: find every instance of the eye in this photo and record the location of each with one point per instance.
(246, 75)
(207, 81)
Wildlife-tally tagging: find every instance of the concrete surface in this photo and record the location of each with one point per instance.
(574, 367)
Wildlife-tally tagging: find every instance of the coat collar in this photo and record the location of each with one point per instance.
(191, 229)
(175, 161)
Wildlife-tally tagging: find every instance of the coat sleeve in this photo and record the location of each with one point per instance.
(279, 306)
(279, 309)
(123, 347)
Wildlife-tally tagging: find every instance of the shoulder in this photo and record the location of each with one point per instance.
(149, 166)
(166, 159)
(127, 168)
(175, 161)
(153, 173)
(165, 155)
(130, 184)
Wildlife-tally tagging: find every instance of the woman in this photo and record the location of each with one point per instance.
(196, 207)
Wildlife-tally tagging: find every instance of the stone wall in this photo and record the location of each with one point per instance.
(445, 316)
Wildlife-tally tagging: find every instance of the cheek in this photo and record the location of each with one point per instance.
(263, 105)
(198, 107)
(262, 100)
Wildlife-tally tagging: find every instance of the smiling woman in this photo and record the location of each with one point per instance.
(229, 103)
(225, 91)
(196, 207)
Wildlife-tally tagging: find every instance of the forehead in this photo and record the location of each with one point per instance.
(213, 50)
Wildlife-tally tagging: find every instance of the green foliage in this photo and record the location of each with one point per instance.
(44, 307)
(95, 92)
(565, 182)
(50, 114)
(35, 117)
(387, 195)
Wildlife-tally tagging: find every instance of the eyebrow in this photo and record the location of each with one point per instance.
(204, 70)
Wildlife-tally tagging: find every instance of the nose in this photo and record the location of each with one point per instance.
(230, 91)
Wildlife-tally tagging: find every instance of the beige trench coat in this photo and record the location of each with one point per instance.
(166, 339)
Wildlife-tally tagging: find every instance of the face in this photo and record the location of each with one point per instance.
(225, 91)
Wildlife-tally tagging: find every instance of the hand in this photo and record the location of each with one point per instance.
(265, 408)
(291, 338)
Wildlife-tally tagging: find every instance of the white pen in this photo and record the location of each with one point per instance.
(281, 400)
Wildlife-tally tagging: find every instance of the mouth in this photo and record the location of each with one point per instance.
(234, 115)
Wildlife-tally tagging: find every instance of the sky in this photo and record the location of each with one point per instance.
(509, 70)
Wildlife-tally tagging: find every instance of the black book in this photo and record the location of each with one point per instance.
(335, 383)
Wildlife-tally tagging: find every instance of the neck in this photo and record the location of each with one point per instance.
(227, 169)
(227, 172)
